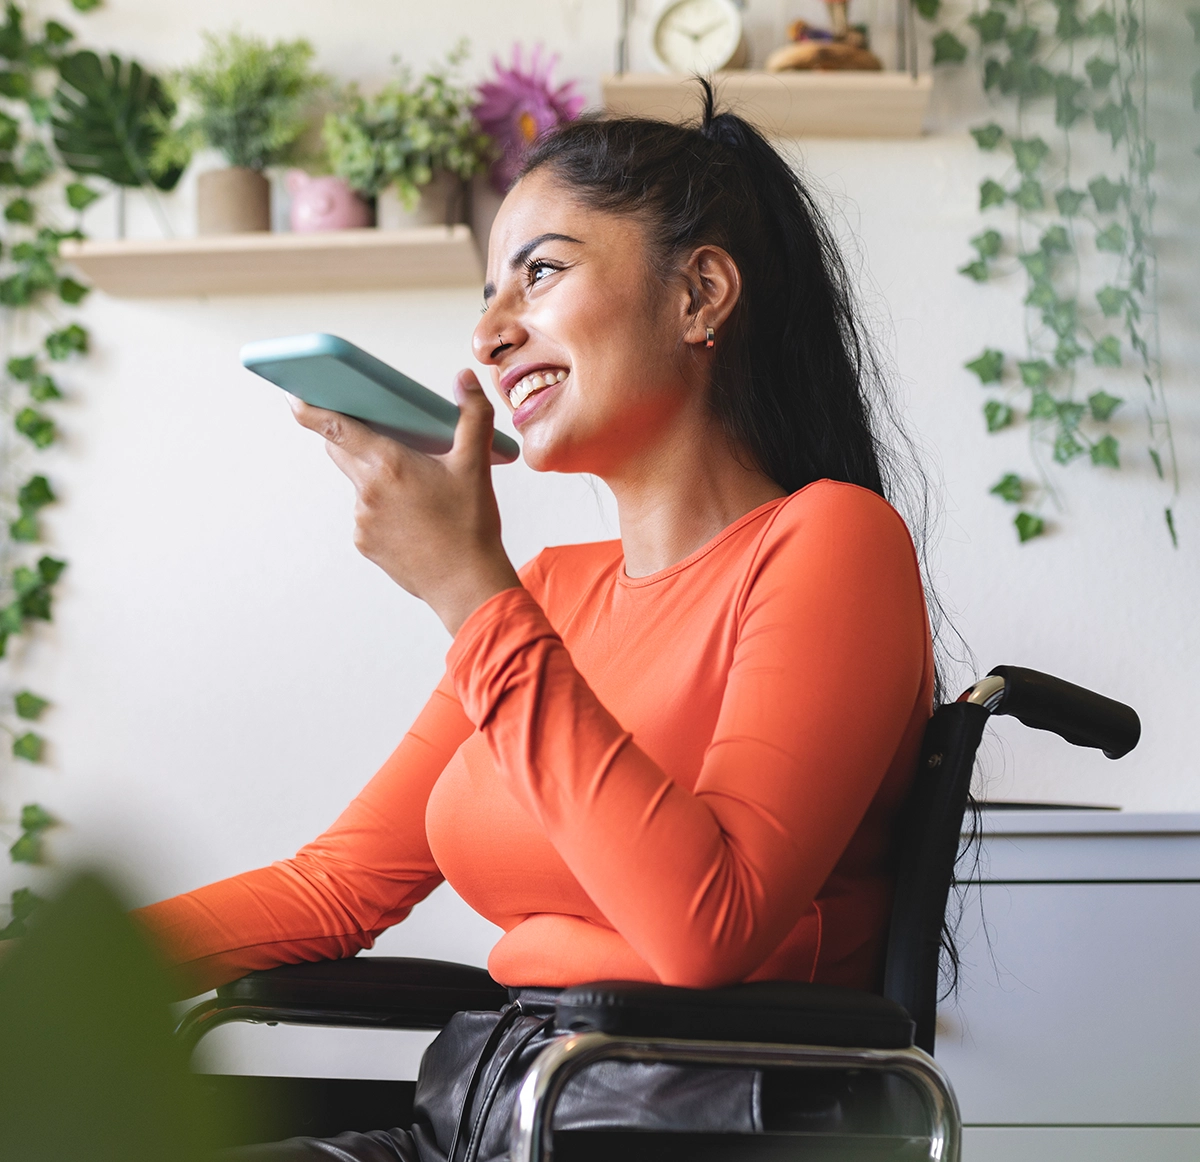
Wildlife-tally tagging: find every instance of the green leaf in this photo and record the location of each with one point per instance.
(988, 243)
(36, 426)
(1067, 351)
(61, 344)
(1029, 153)
(28, 847)
(71, 291)
(1037, 263)
(109, 116)
(1069, 26)
(1043, 407)
(37, 604)
(1112, 239)
(10, 132)
(12, 618)
(25, 529)
(15, 291)
(1042, 294)
(29, 746)
(989, 366)
(1107, 353)
(22, 368)
(1171, 526)
(1101, 24)
(1066, 447)
(928, 9)
(998, 415)
(1104, 451)
(80, 196)
(978, 270)
(1070, 413)
(1103, 405)
(1009, 488)
(19, 210)
(1107, 194)
(14, 85)
(1023, 41)
(991, 194)
(50, 570)
(948, 49)
(25, 580)
(1069, 202)
(991, 25)
(1055, 241)
(35, 818)
(1060, 317)
(1028, 526)
(997, 76)
(57, 34)
(988, 136)
(1067, 109)
(35, 493)
(1111, 300)
(1100, 71)
(1034, 372)
(1029, 195)
(1110, 119)
(24, 904)
(42, 388)
(29, 706)
(1154, 456)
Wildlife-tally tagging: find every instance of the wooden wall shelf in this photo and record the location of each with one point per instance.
(792, 104)
(241, 264)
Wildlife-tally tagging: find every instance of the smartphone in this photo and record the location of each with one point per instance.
(329, 372)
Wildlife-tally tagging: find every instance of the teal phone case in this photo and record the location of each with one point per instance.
(329, 372)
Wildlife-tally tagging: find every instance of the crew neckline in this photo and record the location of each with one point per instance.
(628, 582)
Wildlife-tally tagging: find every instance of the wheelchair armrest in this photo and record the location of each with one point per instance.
(771, 1012)
(385, 990)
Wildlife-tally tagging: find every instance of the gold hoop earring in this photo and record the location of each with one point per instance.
(710, 338)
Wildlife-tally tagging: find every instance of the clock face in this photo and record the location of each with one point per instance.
(697, 36)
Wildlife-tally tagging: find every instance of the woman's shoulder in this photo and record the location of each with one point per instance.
(561, 570)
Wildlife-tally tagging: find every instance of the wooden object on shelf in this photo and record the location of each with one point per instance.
(795, 104)
(240, 264)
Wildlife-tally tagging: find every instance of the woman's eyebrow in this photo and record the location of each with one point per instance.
(521, 255)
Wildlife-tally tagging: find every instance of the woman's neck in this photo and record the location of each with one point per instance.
(676, 502)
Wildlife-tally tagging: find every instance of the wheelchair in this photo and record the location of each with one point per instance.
(793, 1029)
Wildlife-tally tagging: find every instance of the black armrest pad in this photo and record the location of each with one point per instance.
(388, 989)
(773, 1012)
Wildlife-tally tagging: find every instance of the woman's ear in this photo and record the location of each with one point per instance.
(714, 286)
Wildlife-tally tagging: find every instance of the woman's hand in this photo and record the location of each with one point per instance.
(431, 523)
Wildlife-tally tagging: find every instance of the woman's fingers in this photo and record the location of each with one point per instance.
(473, 433)
(347, 433)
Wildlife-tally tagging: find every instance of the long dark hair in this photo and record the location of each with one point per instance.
(796, 382)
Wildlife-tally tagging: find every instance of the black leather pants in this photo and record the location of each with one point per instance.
(468, 1084)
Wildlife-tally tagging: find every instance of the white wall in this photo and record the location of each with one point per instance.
(226, 671)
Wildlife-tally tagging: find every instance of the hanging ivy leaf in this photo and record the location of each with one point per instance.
(36, 818)
(24, 903)
(1069, 26)
(1042, 295)
(42, 388)
(1037, 263)
(996, 76)
(37, 604)
(12, 620)
(989, 366)
(1100, 71)
(977, 270)
(1034, 373)
(1029, 195)
(988, 136)
(1104, 452)
(1070, 413)
(988, 243)
(1043, 406)
(22, 368)
(1107, 194)
(29, 706)
(1023, 40)
(1067, 351)
(25, 529)
(19, 210)
(50, 570)
(991, 194)
(1110, 119)
(1113, 239)
(1029, 153)
(1157, 461)
(1103, 405)
(928, 9)
(998, 415)
(35, 493)
(62, 344)
(1009, 488)
(1101, 24)
(1107, 353)
(1171, 526)
(991, 25)
(29, 746)
(72, 292)
(1028, 526)
(1061, 317)
(35, 426)
(1066, 447)
(25, 580)
(1111, 300)
(1069, 202)
(27, 849)
(1067, 109)
(948, 49)
(1055, 241)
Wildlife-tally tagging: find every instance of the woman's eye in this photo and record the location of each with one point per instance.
(538, 271)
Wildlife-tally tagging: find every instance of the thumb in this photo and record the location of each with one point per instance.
(473, 433)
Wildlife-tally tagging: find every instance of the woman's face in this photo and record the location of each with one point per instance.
(585, 343)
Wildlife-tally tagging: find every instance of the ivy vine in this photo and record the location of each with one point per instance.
(1082, 242)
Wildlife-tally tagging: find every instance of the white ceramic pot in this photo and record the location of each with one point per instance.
(442, 204)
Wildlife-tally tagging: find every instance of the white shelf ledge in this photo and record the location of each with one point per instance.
(789, 104)
(242, 264)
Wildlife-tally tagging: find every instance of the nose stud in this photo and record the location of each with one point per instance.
(710, 337)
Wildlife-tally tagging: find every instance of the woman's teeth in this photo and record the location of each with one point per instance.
(531, 383)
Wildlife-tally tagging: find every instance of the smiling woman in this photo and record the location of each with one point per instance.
(649, 759)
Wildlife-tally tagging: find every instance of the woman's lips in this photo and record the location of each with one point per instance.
(535, 401)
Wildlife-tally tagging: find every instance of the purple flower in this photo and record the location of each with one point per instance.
(519, 106)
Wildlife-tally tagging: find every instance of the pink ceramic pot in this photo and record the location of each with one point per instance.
(324, 203)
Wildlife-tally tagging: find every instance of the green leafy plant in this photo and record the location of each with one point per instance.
(38, 76)
(1081, 244)
(406, 133)
(249, 100)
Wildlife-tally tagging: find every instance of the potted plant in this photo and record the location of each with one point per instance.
(252, 102)
(412, 146)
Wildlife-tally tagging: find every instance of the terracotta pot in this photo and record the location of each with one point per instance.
(443, 203)
(232, 201)
(324, 203)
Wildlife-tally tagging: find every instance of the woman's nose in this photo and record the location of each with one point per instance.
(495, 332)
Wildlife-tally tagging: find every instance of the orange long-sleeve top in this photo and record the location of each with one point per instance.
(689, 777)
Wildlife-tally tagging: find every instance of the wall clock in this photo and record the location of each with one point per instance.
(698, 36)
